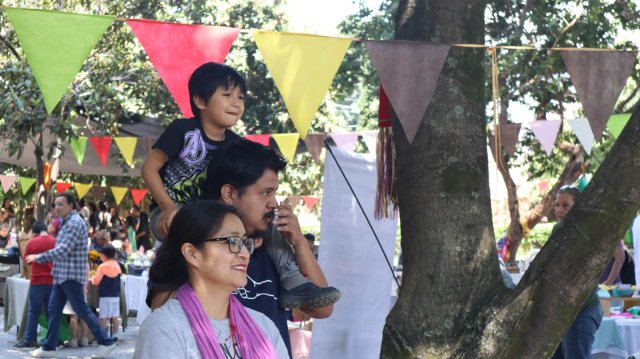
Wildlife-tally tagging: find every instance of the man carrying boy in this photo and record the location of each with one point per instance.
(176, 170)
(40, 283)
(107, 278)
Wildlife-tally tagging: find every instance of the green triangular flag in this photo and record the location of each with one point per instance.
(617, 122)
(26, 183)
(78, 147)
(56, 44)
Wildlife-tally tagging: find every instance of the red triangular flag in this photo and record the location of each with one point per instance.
(177, 49)
(62, 187)
(261, 139)
(102, 146)
(310, 201)
(138, 194)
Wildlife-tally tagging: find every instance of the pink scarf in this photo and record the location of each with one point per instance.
(252, 341)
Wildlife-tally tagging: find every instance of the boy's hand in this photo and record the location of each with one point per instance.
(164, 222)
(288, 225)
(31, 258)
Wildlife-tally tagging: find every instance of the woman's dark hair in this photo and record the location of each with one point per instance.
(38, 227)
(193, 224)
(570, 190)
(109, 251)
(207, 78)
(241, 165)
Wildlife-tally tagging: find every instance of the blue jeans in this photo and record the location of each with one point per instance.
(73, 292)
(39, 294)
(577, 343)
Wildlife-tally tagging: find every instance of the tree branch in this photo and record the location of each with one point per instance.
(11, 48)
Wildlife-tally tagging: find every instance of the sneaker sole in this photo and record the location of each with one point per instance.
(310, 303)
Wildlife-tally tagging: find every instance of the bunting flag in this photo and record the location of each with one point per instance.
(546, 132)
(311, 201)
(509, 133)
(370, 139)
(315, 144)
(118, 193)
(62, 187)
(26, 183)
(102, 146)
(82, 189)
(303, 67)
(56, 44)
(7, 182)
(409, 72)
(543, 185)
(345, 140)
(176, 50)
(287, 143)
(294, 201)
(598, 97)
(583, 131)
(138, 194)
(78, 147)
(127, 146)
(47, 175)
(261, 139)
(617, 122)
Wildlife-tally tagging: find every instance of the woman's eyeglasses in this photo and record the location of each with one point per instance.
(235, 243)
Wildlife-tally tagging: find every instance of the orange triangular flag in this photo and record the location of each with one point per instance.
(261, 139)
(599, 77)
(409, 72)
(102, 146)
(138, 194)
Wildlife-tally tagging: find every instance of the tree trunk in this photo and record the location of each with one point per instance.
(452, 303)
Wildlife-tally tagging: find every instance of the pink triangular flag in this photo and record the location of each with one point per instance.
(409, 73)
(310, 201)
(315, 143)
(546, 132)
(7, 182)
(345, 140)
(599, 77)
(261, 139)
(176, 50)
(102, 146)
(509, 133)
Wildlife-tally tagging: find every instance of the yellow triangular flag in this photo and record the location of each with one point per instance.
(127, 146)
(303, 67)
(287, 142)
(82, 189)
(118, 193)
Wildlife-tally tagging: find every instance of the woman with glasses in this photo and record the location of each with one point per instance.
(206, 255)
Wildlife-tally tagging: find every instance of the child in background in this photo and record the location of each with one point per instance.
(107, 278)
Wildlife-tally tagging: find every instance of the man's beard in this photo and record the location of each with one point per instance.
(265, 233)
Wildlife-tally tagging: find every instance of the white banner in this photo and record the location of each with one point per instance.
(352, 261)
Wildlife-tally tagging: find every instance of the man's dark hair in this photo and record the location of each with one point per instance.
(241, 165)
(109, 251)
(207, 78)
(69, 197)
(310, 236)
(38, 227)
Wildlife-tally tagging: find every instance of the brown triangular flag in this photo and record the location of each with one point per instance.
(315, 143)
(409, 73)
(599, 77)
(509, 136)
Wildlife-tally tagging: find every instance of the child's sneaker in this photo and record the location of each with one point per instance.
(308, 295)
(71, 343)
(84, 342)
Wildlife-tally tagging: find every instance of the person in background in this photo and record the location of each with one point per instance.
(130, 222)
(311, 239)
(107, 278)
(635, 232)
(40, 283)
(69, 277)
(142, 232)
(84, 211)
(577, 342)
(115, 223)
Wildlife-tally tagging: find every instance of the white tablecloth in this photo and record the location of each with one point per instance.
(628, 331)
(17, 290)
(135, 290)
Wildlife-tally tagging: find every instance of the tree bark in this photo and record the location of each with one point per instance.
(452, 303)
